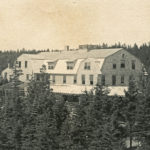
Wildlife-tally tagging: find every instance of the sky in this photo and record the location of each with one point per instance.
(42, 24)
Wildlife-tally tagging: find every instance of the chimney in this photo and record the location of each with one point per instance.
(67, 47)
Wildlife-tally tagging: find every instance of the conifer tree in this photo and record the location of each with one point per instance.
(40, 127)
(130, 111)
(12, 114)
(44, 116)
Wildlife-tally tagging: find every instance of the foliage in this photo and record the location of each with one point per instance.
(44, 116)
(42, 120)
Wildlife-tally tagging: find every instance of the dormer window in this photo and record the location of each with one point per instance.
(70, 65)
(51, 65)
(87, 66)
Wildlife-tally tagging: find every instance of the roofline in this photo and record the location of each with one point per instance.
(109, 56)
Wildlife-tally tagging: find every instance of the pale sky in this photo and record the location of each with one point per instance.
(42, 24)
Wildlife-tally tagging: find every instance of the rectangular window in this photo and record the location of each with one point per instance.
(51, 65)
(133, 64)
(99, 79)
(122, 65)
(53, 78)
(91, 79)
(122, 79)
(83, 79)
(114, 66)
(64, 79)
(113, 80)
(75, 79)
(27, 76)
(26, 64)
(103, 80)
(19, 64)
(123, 55)
(70, 65)
(87, 66)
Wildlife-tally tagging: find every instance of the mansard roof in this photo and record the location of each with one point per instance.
(64, 56)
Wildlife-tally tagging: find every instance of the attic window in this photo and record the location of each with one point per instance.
(51, 65)
(123, 55)
(87, 66)
(70, 65)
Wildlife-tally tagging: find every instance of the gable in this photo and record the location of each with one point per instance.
(120, 56)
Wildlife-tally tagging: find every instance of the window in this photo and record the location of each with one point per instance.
(19, 64)
(51, 65)
(113, 80)
(75, 79)
(122, 79)
(91, 79)
(98, 79)
(122, 65)
(27, 76)
(83, 79)
(133, 64)
(114, 66)
(87, 66)
(64, 79)
(26, 64)
(103, 80)
(70, 65)
(53, 78)
(123, 55)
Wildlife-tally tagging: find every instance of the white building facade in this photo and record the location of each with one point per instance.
(73, 72)
(7, 73)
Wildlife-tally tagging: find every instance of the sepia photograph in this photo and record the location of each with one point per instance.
(74, 75)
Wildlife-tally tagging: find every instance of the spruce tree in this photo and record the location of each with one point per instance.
(12, 114)
(130, 111)
(44, 115)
